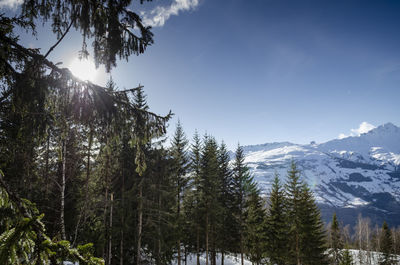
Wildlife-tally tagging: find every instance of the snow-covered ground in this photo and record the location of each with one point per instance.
(235, 260)
(362, 258)
(228, 260)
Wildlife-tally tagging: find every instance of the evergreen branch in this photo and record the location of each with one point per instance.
(31, 222)
(65, 72)
(58, 42)
(128, 90)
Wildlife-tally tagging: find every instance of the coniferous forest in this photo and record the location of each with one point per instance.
(86, 174)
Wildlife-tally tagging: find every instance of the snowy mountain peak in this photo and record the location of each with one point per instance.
(387, 128)
(349, 173)
(386, 136)
(265, 147)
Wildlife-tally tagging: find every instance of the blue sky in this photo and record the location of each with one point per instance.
(266, 70)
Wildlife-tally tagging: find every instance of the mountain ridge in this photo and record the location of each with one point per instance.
(356, 174)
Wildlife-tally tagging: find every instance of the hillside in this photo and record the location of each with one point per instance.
(358, 174)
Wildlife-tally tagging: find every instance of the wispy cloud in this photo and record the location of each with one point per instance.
(363, 128)
(159, 15)
(12, 4)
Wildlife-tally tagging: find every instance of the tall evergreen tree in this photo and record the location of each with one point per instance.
(336, 241)
(255, 229)
(194, 201)
(180, 168)
(277, 225)
(243, 185)
(386, 256)
(312, 234)
(306, 226)
(209, 188)
(225, 231)
(293, 193)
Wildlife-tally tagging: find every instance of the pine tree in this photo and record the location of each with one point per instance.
(336, 242)
(277, 225)
(225, 240)
(159, 219)
(180, 169)
(293, 194)
(306, 227)
(312, 234)
(195, 195)
(209, 188)
(255, 232)
(243, 185)
(386, 256)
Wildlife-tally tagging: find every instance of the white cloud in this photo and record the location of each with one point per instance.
(12, 4)
(363, 128)
(159, 15)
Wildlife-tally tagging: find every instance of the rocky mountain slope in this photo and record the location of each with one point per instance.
(359, 174)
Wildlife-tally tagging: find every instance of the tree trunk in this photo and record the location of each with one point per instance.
(47, 164)
(297, 249)
(179, 251)
(222, 257)
(178, 218)
(140, 216)
(241, 227)
(121, 259)
(105, 251)
(63, 177)
(110, 230)
(207, 238)
(185, 255)
(121, 251)
(198, 245)
(88, 167)
(213, 252)
(241, 244)
(159, 231)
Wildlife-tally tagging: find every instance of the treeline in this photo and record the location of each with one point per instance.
(220, 210)
(105, 177)
(375, 245)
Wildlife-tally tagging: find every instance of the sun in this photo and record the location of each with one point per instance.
(83, 69)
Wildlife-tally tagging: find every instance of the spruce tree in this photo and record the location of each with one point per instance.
(312, 234)
(194, 202)
(277, 239)
(180, 168)
(209, 188)
(293, 194)
(225, 238)
(336, 241)
(243, 185)
(255, 229)
(386, 256)
(306, 227)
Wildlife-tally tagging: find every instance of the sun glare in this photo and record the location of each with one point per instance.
(84, 69)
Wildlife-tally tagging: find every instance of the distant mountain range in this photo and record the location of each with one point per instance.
(359, 174)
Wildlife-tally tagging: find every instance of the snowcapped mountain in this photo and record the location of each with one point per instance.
(359, 174)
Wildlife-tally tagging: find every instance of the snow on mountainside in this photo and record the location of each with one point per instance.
(360, 172)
